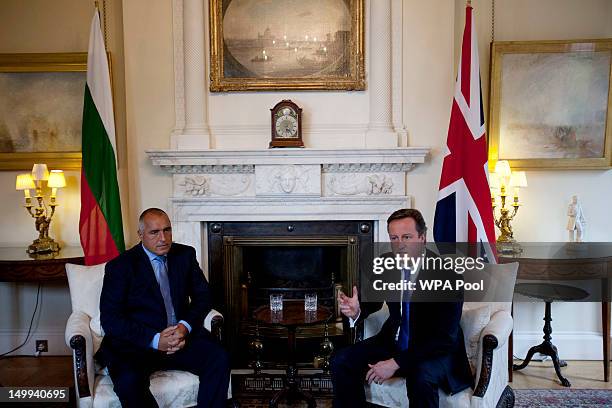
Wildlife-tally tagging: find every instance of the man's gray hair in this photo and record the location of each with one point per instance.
(152, 210)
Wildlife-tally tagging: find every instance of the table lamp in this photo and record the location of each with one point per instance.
(500, 182)
(40, 211)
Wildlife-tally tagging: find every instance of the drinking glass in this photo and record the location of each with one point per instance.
(310, 302)
(276, 302)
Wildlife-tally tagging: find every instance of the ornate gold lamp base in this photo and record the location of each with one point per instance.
(508, 247)
(43, 245)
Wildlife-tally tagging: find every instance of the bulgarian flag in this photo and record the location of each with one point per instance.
(100, 224)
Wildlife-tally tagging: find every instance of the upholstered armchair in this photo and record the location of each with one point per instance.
(486, 328)
(84, 334)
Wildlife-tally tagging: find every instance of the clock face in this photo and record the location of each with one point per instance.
(286, 125)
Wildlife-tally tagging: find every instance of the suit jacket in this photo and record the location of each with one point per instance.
(434, 330)
(131, 304)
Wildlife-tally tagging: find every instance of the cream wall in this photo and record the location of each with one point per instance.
(431, 36)
(149, 98)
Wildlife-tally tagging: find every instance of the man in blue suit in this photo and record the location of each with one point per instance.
(420, 340)
(153, 304)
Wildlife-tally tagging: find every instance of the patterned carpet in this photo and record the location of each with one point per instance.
(574, 398)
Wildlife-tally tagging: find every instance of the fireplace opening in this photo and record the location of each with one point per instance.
(249, 261)
(293, 271)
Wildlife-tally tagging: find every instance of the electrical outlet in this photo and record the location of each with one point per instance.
(42, 346)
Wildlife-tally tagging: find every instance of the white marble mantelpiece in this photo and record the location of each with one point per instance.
(176, 161)
(284, 185)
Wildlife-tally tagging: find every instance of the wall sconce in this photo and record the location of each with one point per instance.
(39, 211)
(500, 182)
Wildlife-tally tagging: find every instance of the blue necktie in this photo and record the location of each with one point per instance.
(402, 339)
(161, 274)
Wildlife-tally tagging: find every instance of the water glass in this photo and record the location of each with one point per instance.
(276, 302)
(310, 302)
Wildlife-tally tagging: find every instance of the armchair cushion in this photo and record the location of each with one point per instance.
(500, 326)
(392, 393)
(85, 283)
(473, 321)
(170, 388)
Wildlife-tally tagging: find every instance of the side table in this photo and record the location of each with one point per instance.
(548, 293)
(17, 266)
(291, 317)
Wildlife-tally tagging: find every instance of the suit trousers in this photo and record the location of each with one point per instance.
(202, 356)
(349, 367)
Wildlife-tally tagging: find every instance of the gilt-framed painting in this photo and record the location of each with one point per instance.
(286, 45)
(550, 104)
(41, 109)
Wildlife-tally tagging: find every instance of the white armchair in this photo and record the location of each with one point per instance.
(84, 334)
(486, 328)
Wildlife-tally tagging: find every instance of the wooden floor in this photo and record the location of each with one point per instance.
(57, 371)
(581, 374)
(53, 371)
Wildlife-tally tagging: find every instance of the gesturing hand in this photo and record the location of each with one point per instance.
(381, 371)
(349, 306)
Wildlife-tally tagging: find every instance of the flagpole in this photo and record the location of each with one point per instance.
(103, 19)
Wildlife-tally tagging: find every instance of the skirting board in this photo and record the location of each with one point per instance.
(571, 345)
(9, 339)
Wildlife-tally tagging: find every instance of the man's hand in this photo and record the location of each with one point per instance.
(165, 337)
(181, 331)
(349, 306)
(381, 371)
(177, 339)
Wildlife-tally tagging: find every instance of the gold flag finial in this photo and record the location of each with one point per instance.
(97, 5)
(469, 3)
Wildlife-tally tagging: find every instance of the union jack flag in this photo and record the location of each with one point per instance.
(463, 211)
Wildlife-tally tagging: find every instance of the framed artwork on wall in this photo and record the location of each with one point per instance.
(286, 45)
(550, 104)
(41, 109)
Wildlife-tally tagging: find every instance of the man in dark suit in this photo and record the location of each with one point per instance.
(153, 304)
(420, 340)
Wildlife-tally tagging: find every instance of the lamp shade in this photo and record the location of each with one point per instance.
(24, 181)
(518, 179)
(40, 172)
(502, 168)
(493, 181)
(56, 179)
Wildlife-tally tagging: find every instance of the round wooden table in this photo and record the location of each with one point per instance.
(549, 292)
(291, 317)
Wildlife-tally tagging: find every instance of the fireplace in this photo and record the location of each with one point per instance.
(243, 209)
(250, 260)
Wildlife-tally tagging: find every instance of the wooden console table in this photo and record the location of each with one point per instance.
(563, 262)
(17, 266)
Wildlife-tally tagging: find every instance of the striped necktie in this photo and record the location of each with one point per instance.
(161, 274)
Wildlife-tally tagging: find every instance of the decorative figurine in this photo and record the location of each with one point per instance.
(576, 224)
